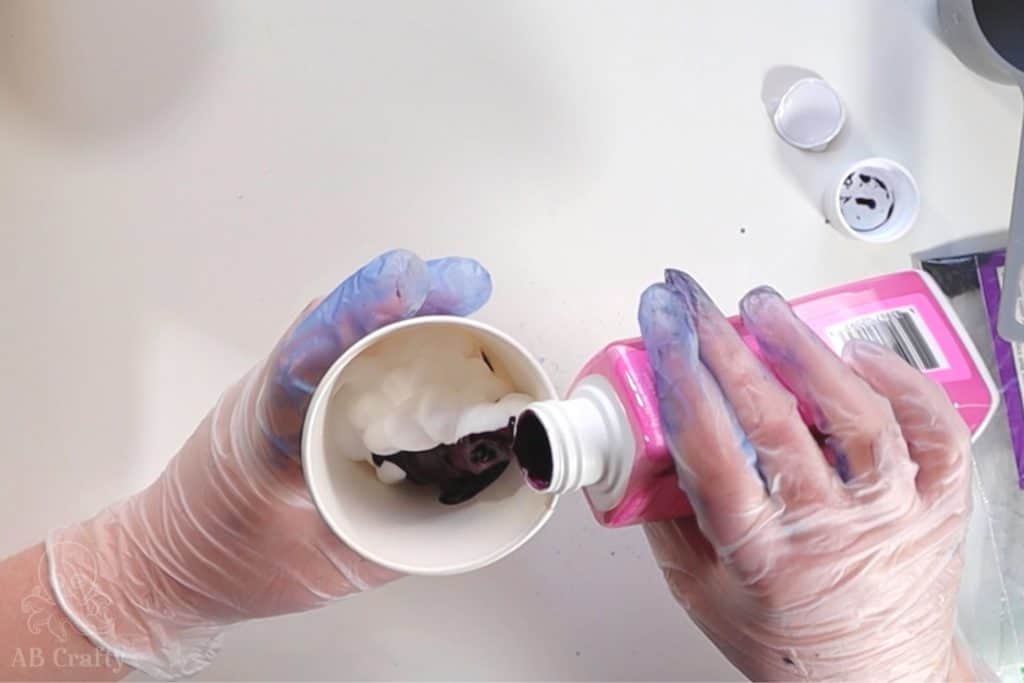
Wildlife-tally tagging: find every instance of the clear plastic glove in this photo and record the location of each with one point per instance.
(795, 568)
(228, 532)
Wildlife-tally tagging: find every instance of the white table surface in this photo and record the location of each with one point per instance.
(178, 180)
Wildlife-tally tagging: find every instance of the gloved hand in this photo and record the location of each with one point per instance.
(797, 569)
(228, 532)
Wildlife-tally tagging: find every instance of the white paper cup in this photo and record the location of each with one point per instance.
(874, 200)
(403, 526)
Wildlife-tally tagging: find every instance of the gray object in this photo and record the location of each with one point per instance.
(988, 37)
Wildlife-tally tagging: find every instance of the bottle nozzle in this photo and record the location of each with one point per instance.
(533, 450)
(582, 442)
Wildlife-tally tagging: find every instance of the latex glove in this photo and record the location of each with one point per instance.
(791, 570)
(228, 532)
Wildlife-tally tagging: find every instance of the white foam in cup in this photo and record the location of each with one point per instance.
(404, 527)
(874, 200)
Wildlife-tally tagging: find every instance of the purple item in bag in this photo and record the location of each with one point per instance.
(983, 272)
(1009, 356)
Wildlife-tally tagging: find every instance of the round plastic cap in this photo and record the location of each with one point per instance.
(810, 114)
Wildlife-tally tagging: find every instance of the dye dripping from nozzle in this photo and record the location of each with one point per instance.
(606, 437)
(533, 451)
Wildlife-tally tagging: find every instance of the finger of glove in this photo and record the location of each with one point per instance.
(714, 460)
(458, 286)
(859, 424)
(938, 439)
(685, 557)
(392, 287)
(788, 457)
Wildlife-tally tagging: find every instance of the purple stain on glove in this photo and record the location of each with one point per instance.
(671, 343)
(462, 469)
(669, 315)
(835, 455)
(768, 316)
(694, 296)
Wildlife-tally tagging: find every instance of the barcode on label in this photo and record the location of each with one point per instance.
(900, 329)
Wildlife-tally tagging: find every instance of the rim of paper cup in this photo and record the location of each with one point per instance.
(322, 396)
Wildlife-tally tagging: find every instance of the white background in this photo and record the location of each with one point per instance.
(179, 179)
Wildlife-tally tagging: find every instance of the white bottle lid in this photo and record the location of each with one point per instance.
(809, 115)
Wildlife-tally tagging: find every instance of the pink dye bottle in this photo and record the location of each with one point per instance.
(606, 437)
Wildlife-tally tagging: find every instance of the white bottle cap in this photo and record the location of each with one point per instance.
(809, 115)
